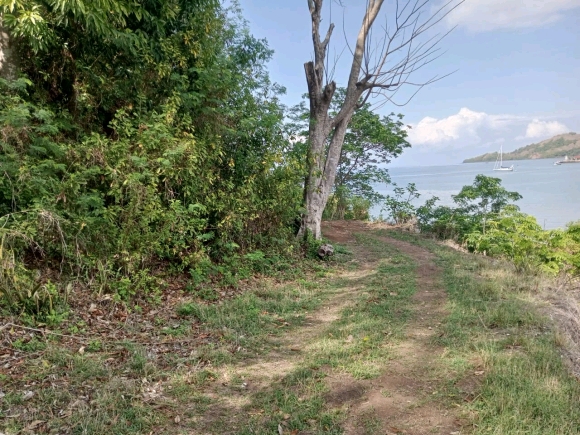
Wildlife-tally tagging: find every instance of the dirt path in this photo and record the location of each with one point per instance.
(402, 400)
(398, 401)
(258, 375)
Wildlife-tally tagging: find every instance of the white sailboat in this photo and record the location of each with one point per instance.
(499, 162)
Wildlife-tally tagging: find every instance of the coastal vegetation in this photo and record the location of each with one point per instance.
(556, 147)
(484, 219)
(151, 281)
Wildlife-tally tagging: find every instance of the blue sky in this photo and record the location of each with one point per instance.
(517, 62)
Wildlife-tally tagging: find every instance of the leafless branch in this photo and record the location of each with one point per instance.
(380, 75)
(379, 69)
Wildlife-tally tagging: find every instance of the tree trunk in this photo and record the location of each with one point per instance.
(323, 156)
(8, 55)
(317, 188)
(322, 173)
(367, 76)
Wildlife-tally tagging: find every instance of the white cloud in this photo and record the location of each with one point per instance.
(460, 130)
(544, 129)
(487, 15)
(468, 128)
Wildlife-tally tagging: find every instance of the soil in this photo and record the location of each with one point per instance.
(398, 397)
(400, 401)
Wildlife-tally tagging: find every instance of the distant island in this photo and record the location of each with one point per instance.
(559, 146)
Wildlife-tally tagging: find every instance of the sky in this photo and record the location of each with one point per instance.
(515, 68)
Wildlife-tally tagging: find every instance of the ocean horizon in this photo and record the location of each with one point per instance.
(549, 193)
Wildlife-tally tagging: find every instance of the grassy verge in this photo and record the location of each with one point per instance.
(357, 343)
(192, 371)
(110, 369)
(505, 366)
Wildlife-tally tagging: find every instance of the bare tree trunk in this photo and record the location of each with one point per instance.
(8, 55)
(372, 71)
(323, 161)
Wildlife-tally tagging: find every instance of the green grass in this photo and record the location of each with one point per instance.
(527, 389)
(358, 342)
(493, 334)
(494, 319)
(253, 320)
(125, 387)
(80, 394)
(296, 403)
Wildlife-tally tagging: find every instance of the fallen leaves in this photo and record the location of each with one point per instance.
(28, 395)
(34, 424)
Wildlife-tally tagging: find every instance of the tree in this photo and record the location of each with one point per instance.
(400, 206)
(376, 70)
(93, 58)
(8, 57)
(369, 144)
(484, 197)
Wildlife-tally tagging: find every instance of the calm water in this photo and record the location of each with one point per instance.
(550, 193)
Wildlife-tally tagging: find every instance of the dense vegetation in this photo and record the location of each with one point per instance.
(557, 146)
(138, 135)
(484, 219)
(141, 141)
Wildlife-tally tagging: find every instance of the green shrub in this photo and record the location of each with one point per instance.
(485, 221)
(341, 206)
(106, 208)
(399, 207)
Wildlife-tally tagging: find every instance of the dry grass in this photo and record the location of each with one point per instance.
(563, 307)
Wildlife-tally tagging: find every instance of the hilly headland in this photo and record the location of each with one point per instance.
(557, 146)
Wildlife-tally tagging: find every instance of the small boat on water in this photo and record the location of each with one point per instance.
(575, 159)
(499, 162)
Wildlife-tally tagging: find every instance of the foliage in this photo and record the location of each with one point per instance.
(93, 58)
(485, 221)
(400, 206)
(342, 205)
(484, 198)
(121, 153)
(519, 237)
(370, 142)
(475, 205)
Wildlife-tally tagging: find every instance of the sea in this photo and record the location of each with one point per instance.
(549, 193)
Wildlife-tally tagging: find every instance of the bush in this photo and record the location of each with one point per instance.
(400, 207)
(107, 208)
(343, 206)
(151, 141)
(485, 221)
